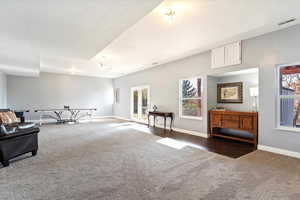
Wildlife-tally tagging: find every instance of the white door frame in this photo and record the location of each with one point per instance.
(139, 88)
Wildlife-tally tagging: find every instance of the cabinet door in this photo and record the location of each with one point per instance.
(216, 120)
(246, 122)
(218, 57)
(233, 54)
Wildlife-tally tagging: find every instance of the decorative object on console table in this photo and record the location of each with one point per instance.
(219, 108)
(165, 115)
(230, 92)
(154, 108)
(241, 126)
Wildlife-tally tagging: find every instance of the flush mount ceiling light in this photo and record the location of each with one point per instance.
(73, 70)
(169, 14)
(103, 67)
(102, 57)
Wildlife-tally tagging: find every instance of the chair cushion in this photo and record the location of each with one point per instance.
(8, 117)
(237, 133)
(12, 116)
(4, 119)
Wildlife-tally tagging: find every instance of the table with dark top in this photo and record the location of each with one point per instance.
(164, 115)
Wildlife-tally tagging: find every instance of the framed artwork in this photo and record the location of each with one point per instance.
(230, 92)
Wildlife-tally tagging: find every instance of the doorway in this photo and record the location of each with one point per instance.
(140, 102)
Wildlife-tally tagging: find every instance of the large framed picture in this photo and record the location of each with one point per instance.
(230, 92)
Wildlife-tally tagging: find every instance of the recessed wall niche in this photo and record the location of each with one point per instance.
(249, 79)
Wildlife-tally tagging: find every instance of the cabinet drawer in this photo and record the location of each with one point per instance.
(230, 121)
(230, 124)
(231, 117)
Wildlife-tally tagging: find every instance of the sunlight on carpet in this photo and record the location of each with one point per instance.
(172, 143)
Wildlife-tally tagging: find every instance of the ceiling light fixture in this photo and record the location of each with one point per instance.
(102, 67)
(169, 13)
(73, 70)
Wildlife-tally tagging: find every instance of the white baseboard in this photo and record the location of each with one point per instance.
(204, 135)
(196, 133)
(279, 151)
(101, 117)
(83, 119)
(122, 118)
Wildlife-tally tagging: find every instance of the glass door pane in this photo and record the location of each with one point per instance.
(145, 102)
(135, 104)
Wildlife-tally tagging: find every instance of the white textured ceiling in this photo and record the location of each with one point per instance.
(75, 36)
(31, 30)
(197, 26)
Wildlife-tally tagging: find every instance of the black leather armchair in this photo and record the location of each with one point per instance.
(17, 139)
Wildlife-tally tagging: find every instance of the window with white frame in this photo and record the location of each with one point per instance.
(288, 103)
(190, 101)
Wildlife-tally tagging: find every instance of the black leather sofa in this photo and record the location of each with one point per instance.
(17, 139)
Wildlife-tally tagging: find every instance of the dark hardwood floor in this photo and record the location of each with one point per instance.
(230, 148)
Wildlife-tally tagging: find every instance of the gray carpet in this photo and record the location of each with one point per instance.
(115, 160)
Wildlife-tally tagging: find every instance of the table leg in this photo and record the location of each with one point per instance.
(40, 119)
(165, 123)
(148, 121)
(22, 119)
(171, 124)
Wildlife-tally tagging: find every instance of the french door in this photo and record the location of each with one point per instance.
(140, 102)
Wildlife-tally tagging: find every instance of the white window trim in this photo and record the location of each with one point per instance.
(180, 99)
(278, 97)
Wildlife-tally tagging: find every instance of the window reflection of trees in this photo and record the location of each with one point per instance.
(290, 86)
(191, 97)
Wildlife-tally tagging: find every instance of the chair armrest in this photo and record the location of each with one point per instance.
(5, 131)
(20, 133)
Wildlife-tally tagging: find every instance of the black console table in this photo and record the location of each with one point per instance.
(165, 115)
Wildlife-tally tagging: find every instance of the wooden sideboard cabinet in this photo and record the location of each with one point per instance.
(241, 126)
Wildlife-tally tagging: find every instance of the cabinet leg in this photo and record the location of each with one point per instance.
(5, 163)
(34, 153)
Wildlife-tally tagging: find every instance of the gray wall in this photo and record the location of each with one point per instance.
(264, 52)
(3, 91)
(54, 91)
(164, 85)
(249, 80)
